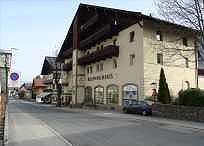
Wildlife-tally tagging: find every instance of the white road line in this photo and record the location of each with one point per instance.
(56, 133)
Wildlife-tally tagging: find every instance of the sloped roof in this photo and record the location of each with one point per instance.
(27, 86)
(38, 83)
(48, 65)
(93, 18)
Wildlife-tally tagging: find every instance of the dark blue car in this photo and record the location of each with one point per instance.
(138, 107)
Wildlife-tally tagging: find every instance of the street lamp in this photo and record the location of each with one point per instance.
(57, 78)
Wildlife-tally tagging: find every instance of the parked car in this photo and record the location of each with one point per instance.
(138, 107)
(39, 99)
(44, 98)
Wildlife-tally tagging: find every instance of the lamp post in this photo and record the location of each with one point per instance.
(56, 78)
(5, 56)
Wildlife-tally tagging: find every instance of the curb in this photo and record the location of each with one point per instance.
(6, 128)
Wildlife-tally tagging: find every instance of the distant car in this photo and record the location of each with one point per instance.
(138, 107)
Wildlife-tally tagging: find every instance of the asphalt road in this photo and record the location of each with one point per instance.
(32, 124)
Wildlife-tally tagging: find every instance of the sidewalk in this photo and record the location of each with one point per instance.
(25, 130)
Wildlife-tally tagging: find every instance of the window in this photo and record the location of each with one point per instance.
(88, 53)
(97, 68)
(185, 42)
(112, 94)
(132, 36)
(101, 46)
(186, 62)
(91, 70)
(98, 95)
(101, 66)
(97, 49)
(159, 58)
(87, 70)
(115, 64)
(159, 36)
(114, 42)
(132, 58)
(88, 95)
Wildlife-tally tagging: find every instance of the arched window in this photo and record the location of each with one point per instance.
(99, 95)
(112, 94)
(88, 95)
(130, 91)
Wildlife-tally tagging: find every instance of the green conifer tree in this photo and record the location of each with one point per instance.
(163, 93)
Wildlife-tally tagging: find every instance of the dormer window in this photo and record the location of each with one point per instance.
(132, 36)
(185, 41)
(159, 36)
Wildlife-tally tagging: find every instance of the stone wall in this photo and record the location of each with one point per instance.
(179, 112)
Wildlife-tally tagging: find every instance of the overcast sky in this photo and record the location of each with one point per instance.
(37, 28)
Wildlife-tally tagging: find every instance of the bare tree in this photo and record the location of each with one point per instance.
(189, 13)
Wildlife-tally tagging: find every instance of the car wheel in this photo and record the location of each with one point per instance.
(144, 113)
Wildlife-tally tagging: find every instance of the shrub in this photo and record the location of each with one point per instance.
(191, 97)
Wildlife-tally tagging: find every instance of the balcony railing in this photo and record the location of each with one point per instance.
(108, 52)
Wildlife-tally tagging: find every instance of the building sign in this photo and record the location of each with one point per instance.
(130, 92)
(101, 77)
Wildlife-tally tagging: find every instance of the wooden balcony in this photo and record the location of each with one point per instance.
(103, 33)
(67, 67)
(108, 52)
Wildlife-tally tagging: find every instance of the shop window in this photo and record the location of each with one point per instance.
(132, 36)
(112, 94)
(99, 95)
(132, 58)
(115, 64)
(130, 91)
(159, 36)
(160, 58)
(185, 42)
(88, 95)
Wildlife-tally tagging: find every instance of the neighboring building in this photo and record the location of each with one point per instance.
(38, 87)
(5, 64)
(117, 54)
(49, 72)
(25, 91)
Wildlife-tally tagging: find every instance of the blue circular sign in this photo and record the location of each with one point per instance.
(14, 76)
